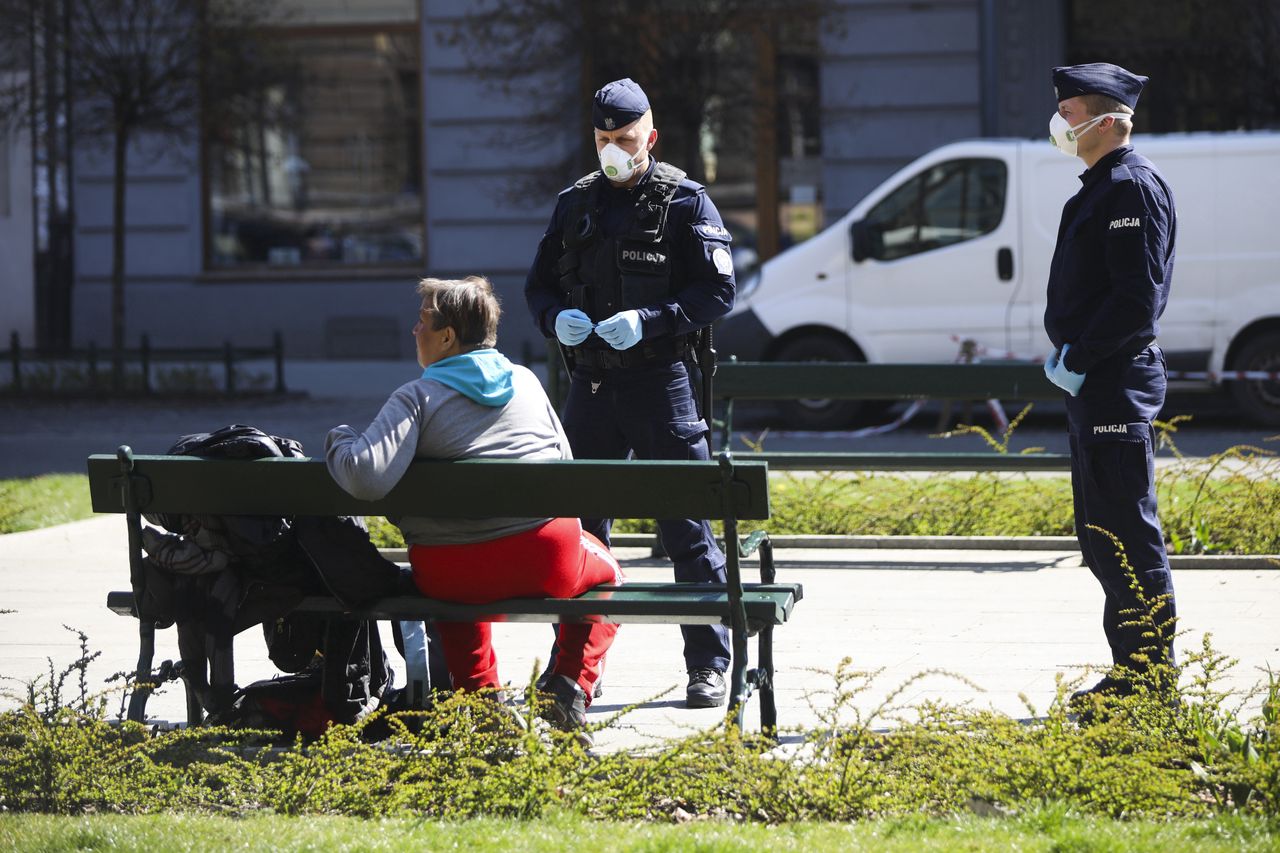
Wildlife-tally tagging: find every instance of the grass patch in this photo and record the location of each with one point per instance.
(1222, 504)
(1049, 829)
(31, 503)
(1224, 512)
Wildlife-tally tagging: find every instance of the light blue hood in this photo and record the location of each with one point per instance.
(482, 375)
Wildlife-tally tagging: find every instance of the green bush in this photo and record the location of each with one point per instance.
(1139, 757)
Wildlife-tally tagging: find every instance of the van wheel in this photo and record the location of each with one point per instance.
(1260, 400)
(824, 414)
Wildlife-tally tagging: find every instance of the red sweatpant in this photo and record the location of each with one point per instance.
(555, 560)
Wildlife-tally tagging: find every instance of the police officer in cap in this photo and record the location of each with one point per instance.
(633, 266)
(1108, 284)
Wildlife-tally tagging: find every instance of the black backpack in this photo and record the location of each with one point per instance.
(227, 573)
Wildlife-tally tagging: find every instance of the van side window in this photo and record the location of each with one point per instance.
(946, 204)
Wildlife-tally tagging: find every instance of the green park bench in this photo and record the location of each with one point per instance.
(722, 489)
(738, 380)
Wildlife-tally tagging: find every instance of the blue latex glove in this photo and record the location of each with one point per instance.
(572, 327)
(1050, 364)
(622, 330)
(1063, 378)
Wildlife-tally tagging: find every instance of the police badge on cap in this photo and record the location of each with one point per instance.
(617, 104)
(1098, 78)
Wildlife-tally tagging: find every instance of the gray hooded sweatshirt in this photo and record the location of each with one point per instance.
(473, 405)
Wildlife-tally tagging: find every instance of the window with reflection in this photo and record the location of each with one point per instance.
(324, 169)
(946, 204)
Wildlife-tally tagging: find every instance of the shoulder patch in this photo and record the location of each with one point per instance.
(723, 261)
(1125, 222)
(713, 231)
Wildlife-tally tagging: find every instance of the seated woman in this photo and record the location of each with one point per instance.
(472, 402)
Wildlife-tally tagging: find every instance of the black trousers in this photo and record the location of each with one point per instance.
(1113, 485)
(650, 412)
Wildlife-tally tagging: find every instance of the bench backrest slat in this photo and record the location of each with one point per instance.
(924, 461)
(778, 380)
(472, 488)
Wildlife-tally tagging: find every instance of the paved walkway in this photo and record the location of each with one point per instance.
(1010, 621)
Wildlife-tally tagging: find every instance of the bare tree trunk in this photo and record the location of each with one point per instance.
(586, 90)
(117, 258)
(767, 231)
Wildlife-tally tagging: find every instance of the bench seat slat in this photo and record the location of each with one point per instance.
(667, 603)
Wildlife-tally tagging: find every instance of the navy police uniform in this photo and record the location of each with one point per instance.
(661, 249)
(1108, 285)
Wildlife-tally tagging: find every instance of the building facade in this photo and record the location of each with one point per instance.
(387, 158)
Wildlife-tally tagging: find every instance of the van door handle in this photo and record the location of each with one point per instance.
(1004, 263)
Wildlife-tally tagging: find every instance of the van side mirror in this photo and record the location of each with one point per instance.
(863, 240)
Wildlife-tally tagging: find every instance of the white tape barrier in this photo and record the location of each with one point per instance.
(982, 352)
(907, 414)
(1227, 375)
(996, 408)
(997, 413)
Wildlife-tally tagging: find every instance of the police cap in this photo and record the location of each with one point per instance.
(1098, 78)
(617, 104)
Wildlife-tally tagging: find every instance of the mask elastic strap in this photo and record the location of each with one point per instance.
(1093, 122)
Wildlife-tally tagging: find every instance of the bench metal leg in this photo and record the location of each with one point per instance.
(142, 678)
(764, 679)
(740, 689)
(768, 705)
(195, 712)
(222, 672)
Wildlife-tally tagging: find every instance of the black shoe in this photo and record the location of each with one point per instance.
(596, 691)
(1108, 686)
(1096, 703)
(706, 688)
(566, 707)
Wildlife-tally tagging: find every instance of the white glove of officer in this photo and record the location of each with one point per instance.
(1055, 369)
(622, 330)
(572, 327)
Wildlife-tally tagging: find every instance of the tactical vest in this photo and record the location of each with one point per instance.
(604, 275)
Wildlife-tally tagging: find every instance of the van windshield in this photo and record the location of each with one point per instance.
(945, 204)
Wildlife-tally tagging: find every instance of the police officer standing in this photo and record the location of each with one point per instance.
(1108, 284)
(633, 266)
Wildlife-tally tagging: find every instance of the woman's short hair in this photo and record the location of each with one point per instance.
(467, 305)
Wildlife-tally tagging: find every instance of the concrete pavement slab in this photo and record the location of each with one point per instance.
(1009, 621)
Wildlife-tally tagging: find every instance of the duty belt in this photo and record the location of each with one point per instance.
(657, 351)
(1132, 350)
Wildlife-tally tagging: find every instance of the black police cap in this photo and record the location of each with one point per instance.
(1098, 78)
(617, 104)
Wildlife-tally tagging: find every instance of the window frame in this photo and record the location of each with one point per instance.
(325, 271)
(969, 190)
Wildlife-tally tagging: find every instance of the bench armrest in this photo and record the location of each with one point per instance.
(759, 540)
(748, 545)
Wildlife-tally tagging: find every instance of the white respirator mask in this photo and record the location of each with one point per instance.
(618, 165)
(1064, 136)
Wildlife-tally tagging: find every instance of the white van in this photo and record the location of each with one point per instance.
(956, 246)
